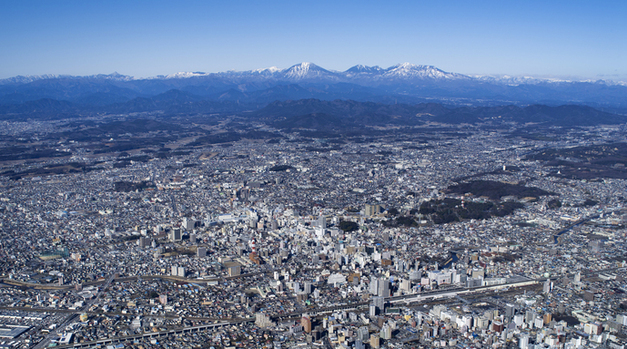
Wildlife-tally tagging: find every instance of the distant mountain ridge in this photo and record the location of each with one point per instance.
(308, 113)
(301, 71)
(402, 83)
(321, 115)
(307, 70)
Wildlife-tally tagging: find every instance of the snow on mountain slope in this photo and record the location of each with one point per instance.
(181, 75)
(359, 74)
(270, 70)
(20, 79)
(516, 80)
(307, 70)
(408, 70)
(362, 69)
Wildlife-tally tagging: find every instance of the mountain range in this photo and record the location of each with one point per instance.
(236, 91)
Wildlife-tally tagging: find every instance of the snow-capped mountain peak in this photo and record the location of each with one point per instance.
(306, 70)
(363, 69)
(408, 70)
(270, 70)
(310, 71)
(407, 66)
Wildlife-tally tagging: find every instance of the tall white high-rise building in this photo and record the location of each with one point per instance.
(188, 224)
(384, 288)
(374, 285)
(322, 222)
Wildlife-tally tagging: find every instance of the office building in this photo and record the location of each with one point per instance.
(306, 323)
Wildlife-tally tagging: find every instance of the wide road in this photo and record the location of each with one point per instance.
(70, 318)
(107, 341)
(78, 312)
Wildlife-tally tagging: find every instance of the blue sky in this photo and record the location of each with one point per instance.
(571, 39)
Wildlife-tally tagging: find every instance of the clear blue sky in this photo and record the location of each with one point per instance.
(583, 39)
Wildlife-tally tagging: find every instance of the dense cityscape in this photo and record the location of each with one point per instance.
(204, 174)
(458, 236)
